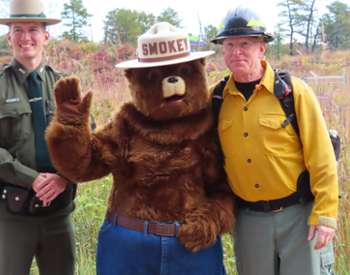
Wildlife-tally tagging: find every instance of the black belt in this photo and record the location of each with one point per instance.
(273, 205)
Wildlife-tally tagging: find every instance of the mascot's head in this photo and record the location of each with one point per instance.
(167, 81)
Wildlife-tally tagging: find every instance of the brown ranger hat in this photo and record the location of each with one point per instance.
(27, 11)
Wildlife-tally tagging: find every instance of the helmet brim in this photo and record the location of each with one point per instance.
(220, 38)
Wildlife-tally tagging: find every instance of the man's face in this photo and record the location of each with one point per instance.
(242, 55)
(27, 40)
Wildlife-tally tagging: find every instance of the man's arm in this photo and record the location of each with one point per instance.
(14, 172)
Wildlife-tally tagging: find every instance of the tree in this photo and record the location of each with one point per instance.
(124, 25)
(171, 16)
(337, 25)
(306, 20)
(146, 21)
(276, 47)
(289, 10)
(302, 20)
(76, 18)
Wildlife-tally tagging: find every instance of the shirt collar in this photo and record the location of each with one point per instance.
(267, 80)
(22, 73)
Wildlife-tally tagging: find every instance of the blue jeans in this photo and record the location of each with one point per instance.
(121, 251)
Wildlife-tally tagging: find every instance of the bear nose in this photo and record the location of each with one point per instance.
(172, 79)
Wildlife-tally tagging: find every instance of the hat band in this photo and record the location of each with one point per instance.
(165, 58)
(40, 15)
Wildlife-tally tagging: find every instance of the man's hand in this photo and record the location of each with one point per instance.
(323, 234)
(48, 186)
(71, 107)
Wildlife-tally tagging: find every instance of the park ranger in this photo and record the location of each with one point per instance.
(35, 202)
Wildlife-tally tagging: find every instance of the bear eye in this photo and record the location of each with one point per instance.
(152, 75)
(186, 69)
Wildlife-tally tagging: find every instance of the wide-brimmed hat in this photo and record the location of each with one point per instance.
(162, 45)
(27, 11)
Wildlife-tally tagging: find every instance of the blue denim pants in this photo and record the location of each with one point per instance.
(121, 251)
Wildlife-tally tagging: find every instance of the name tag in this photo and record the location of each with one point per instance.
(12, 100)
(35, 99)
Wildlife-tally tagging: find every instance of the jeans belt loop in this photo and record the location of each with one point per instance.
(177, 228)
(114, 220)
(145, 227)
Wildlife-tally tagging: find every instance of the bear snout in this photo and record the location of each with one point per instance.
(173, 86)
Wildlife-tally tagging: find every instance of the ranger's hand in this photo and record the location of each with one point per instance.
(48, 186)
(323, 234)
(71, 108)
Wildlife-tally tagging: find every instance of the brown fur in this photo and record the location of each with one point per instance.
(162, 157)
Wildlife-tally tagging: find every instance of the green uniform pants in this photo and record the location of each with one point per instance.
(48, 239)
(275, 243)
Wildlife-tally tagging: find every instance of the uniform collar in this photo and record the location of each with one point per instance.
(22, 73)
(267, 81)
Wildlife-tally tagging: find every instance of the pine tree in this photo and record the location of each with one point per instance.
(76, 18)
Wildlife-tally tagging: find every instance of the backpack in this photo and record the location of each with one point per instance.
(283, 90)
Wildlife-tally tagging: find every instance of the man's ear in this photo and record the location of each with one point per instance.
(263, 48)
(47, 36)
(8, 38)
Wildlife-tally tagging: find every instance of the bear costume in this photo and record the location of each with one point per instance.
(170, 200)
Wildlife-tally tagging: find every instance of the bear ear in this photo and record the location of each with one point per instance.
(129, 73)
(202, 61)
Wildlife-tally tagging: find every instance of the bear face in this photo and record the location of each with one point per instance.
(169, 92)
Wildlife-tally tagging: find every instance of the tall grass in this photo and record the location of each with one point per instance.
(96, 69)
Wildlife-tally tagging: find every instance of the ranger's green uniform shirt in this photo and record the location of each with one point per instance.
(17, 145)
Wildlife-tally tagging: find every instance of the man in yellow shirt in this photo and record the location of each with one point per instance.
(285, 182)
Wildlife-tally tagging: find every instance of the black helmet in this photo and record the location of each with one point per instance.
(242, 22)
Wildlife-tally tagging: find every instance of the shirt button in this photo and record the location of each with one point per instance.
(245, 108)
(257, 185)
(249, 160)
(245, 134)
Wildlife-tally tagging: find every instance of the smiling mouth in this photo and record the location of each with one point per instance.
(26, 46)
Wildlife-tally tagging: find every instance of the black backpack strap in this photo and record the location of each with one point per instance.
(216, 102)
(217, 98)
(283, 90)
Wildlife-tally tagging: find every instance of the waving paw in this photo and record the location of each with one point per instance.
(72, 109)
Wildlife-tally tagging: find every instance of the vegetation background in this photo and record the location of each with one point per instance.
(312, 46)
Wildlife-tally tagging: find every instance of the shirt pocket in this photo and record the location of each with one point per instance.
(226, 134)
(15, 123)
(277, 139)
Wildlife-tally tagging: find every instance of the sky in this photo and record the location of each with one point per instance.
(190, 11)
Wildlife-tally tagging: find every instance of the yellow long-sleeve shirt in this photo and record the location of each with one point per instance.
(263, 160)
